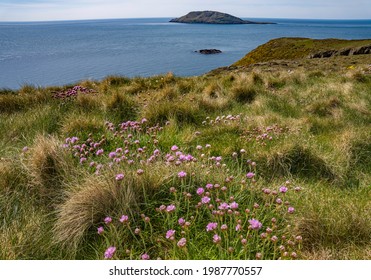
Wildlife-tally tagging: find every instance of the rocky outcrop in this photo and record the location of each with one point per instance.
(342, 52)
(209, 51)
(211, 17)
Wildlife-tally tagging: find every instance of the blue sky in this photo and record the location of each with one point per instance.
(33, 10)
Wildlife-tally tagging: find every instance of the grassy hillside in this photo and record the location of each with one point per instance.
(266, 162)
(296, 48)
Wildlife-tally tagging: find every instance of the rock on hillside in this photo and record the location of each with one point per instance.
(344, 52)
(211, 17)
(301, 48)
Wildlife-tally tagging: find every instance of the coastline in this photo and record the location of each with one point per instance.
(173, 53)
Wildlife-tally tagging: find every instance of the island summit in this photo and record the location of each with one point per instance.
(211, 17)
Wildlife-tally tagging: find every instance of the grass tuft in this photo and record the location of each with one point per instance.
(49, 167)
(122, 106)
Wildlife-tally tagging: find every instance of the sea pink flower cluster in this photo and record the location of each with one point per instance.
(72, 92)
(200, 196)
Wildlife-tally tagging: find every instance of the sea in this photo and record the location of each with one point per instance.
(66, 52)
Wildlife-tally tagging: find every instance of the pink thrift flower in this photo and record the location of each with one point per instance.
(170, 233)
(211, 226)
(283, 189)
(250, 175)
(205, 200)
(99, 152)
(182, 158)
(181, 221)
(124, 219)
(209, 186)
(170, 208)
(200, 191)
(189, 158)
(224, 227)
(25, 149)
(182, 174)
(112, 154)
(233, 205)
(223, 206)
(107, 220)
(291, 210)
(108, 254)
(174, 148)
(140, 171)
(238, 227)
(119, 177)
(182, 242)
(216, 239)
(145, 257)
(255, 224)
(100, 230)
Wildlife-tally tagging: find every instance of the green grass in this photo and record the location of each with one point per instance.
(306, 128)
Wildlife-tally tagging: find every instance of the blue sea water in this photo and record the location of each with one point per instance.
(62, 52)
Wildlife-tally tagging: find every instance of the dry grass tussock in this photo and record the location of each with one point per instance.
(25, 237)
(350, 252)
(213, 98)
(48, 166)
(76, 124)
(298, 160)
(88, 102)
(335, 222)
(122, 105)
(245, 93)
(7, 174)
(89, 202)
(26, 97)
(167, 93)
(182, 112)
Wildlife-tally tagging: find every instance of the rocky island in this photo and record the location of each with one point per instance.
(209, 51)
(212, 17)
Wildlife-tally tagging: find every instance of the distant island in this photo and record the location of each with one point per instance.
(212, 17)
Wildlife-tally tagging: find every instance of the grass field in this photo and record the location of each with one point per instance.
(259, 161)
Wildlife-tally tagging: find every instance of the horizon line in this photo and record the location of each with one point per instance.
(166, 17)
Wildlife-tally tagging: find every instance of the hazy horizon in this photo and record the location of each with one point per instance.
(61, 10)
(170, 17)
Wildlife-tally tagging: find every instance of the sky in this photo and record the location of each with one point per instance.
(44, 10)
